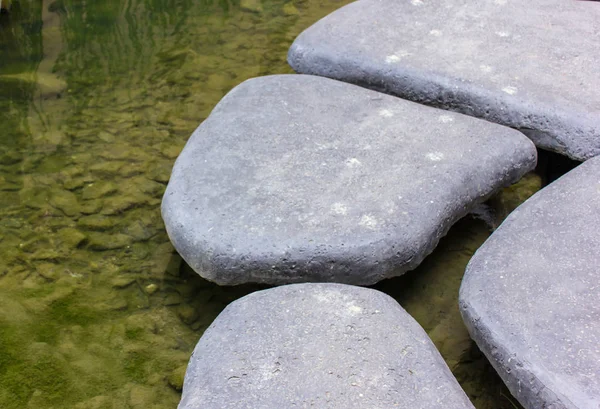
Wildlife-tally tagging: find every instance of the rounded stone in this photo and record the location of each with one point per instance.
(318, 345)
(509, 62)
(530, 295)
(296, 178)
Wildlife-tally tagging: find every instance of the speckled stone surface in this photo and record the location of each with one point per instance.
(531, 295)
(296, 178)
(529, 64)
(318, 346)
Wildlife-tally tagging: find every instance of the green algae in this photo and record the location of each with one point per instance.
(97, 100)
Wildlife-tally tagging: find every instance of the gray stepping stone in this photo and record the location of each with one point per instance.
(532, 65)
(322, 346)
(531, 295)
(298, 178)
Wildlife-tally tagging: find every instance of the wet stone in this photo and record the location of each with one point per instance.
(119, 204)
(187, 314)
(530, 295)
(106, 168)
(74, 183)
(70, 237)
(298, 178)
(510, 62)
(151, 289)
(176, 377)
(321, 345)
(91, 207)
(160, 172)
(97, 222)
(49, 271)
(140, 231)
(65, 201)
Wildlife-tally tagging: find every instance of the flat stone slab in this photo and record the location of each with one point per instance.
(296, 178)
(531, 65)
(322, 346)
(531, 295)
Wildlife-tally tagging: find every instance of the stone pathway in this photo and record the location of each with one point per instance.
(318, 345)
(531, 65)
(530, 295)
(298, 178)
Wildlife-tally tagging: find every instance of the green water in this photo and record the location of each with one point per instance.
(96, 101)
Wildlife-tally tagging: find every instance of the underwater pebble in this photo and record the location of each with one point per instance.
(176, 377)
(187, 313)
(151, 289)
(65, 201)
(97, 222)
(118, 204)
(102, 241)
(98, 189)
(70, 237)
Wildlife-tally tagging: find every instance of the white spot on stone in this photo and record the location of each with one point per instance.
(445, 119)
(386, 113)
(436, 33)
(368, 221)
(353, 162)
(278, 219)
(435, 156)
(485, 68)
(394, 58)
(510, 90)
(355, 309)
(500, 2)
(502, 34)
(416, 2)
(339, 208)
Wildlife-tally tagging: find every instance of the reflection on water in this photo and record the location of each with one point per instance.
(96, 101)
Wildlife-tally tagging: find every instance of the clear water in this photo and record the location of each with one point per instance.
(97, 98)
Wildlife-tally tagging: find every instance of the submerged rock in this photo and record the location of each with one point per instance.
(510, 62)
(321, 345)
(298, 178)
(65, 201)
(530, 295)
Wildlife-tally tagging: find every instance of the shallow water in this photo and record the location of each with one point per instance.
(96, 101)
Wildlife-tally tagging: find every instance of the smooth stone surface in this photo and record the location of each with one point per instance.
(318, 345)
(531, 299)
(532, 65)
(297, 178)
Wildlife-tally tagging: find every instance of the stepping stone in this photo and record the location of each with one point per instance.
(530, 295)
(298, 178)
(531, 65)
(318, 345)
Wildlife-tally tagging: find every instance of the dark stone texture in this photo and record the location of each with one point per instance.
(298, 178)
(531, 65)
(531, 299)
(322, 346)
